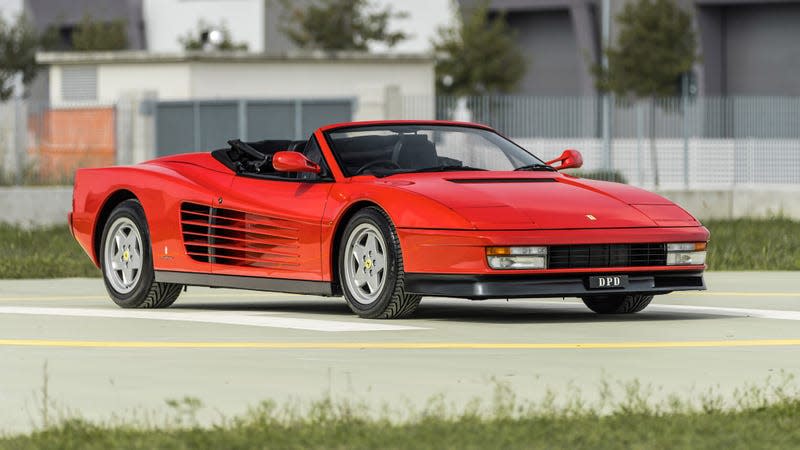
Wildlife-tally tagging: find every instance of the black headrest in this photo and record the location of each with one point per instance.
(417, 152)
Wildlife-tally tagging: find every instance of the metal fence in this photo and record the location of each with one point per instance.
(208, 124)
(705, 142)
(699, 143)
(42, 145)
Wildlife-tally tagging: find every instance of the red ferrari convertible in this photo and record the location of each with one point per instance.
(383, 213)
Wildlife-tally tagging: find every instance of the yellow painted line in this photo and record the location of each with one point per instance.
(399, 345)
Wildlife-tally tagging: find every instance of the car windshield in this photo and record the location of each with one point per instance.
(391, 149)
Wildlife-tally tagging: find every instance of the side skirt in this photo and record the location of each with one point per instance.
(322, 288)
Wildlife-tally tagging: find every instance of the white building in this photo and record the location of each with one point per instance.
(370, 79)
(168, 102)
(259, 23)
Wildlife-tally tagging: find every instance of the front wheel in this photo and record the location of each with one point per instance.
(618, 303)
(371, 268)
(127, 262)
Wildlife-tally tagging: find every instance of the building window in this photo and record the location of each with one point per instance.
(79, 83)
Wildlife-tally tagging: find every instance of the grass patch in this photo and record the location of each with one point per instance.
(754, 244)
(760, 418)
(49, 252)
(743, 244)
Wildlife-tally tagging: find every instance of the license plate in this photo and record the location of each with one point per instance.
(608, 282)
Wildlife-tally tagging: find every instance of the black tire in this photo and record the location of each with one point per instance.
(618, 303)
(392, 301)
(145, 292)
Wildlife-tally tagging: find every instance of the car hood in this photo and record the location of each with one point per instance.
(543, 200)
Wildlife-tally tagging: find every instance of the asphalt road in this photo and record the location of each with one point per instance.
(232, 349)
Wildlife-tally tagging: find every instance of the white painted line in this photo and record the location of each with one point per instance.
(733, 312)
(736, 312)
(227, 318)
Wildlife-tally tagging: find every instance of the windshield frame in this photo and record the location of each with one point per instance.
(425, 125)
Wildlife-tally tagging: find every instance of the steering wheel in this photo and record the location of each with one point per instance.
(239, 145)
(379, 162)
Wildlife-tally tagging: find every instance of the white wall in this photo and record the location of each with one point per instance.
(371, 82)
(10, 9)
(170, 81)
(367, 82)
(424, 19)
(167, 20)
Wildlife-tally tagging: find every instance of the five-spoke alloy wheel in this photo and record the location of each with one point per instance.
(127, 262)
(371, 267)
(366, 265)
(123, 255)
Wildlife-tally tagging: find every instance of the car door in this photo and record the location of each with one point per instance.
(270, 226)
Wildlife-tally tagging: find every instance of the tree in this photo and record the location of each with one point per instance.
(211, 37)
(478, 55)
(18, 45)
(94, 35)
(656, 46)
(341, 25)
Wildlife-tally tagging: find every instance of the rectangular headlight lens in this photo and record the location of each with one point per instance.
(517, 257)
(686, 253)
(686, 247)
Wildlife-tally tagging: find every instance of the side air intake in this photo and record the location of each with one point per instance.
(237, 238)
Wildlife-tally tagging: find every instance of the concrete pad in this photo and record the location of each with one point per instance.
(213, 344)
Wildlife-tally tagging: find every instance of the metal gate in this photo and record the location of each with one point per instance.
(189, 126)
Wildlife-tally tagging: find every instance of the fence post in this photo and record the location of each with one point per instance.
(639, 137)
(298, 119)
(685, 101)
(241, 110)
(20, 139)
(607, 131)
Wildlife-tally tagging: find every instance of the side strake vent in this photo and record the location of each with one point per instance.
(500, 180)
(237, 238)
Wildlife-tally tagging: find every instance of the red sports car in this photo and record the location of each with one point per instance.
(383, 213)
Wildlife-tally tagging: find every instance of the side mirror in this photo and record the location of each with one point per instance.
(286, 161)
(570, 159)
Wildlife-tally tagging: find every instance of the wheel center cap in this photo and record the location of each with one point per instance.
(368, 264)
(125, 255)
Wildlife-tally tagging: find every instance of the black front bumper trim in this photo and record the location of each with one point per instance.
(479, 287)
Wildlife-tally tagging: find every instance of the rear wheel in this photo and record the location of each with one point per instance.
(127, 263)
(371, 268)
(618, 303)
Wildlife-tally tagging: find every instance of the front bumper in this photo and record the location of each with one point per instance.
(464, 251)
(480, 287)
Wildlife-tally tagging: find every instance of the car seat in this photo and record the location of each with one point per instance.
(417, 152)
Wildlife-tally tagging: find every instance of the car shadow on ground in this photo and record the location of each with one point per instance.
(454, 310)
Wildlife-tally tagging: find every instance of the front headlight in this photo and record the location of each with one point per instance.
(517, 257)
(686, 253)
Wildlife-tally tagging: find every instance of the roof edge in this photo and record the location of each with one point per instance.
(139, 56)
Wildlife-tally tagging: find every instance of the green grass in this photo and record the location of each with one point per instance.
(758, 419)
(49, 252)
(744, 244)
(749, 244)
